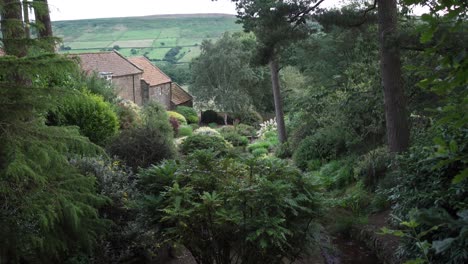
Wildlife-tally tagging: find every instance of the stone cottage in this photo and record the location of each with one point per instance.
(155, 84)
(115, 68)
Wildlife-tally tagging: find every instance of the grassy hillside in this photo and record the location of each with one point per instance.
(153, 36)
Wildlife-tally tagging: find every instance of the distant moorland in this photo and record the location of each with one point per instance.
(174, 38)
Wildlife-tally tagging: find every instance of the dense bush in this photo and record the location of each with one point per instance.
(325, 144)
(204, 142)
(336, 174)
(210, 116)
(185, 131)
(189, 113)
(129, 114)
(245, 130)
(249, 117)
(423, 191)
(180, 118)
(259, 213)
(206, 131)
(147, 144)
(95, 118)
(236, 139)
(372, 166)
(175, 125)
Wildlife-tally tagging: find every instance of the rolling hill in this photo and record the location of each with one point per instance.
(160, 37)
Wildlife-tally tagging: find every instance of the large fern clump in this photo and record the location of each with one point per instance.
(48, 210)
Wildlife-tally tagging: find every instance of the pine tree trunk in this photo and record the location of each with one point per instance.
(274, 69)
(44, 31)
(390, 67)
(12, 28)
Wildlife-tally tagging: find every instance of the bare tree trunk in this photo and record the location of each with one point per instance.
(12, 28)
(44, 31)
(274, 69)
(390, 67)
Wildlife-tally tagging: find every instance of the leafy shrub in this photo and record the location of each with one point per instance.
(424, 191)
(204, 142)
(259, 152)
(226, 129)
(212, 125)
(283, 151)
(236, 139)
(95, 118)
(147, 144)
(209, 116)
(194, 126)
(245, 130)
(180, 118)
(336, 174)
(189, 113)
(129, 114)
(259, 145)
(185, 131)
(207, 131)
(372, 166)
(117, 183)
(249, 117)
(265, 208)
(325, 144)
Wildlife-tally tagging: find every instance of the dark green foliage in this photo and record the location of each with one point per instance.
(147, 144)
(235, 139)
(49, 209)
(336, 174)
(117, 183)
(245, 130)
(249, 117)
(372, 166)
(283, 151)
(325, 144)
(171, 55)
(204, 142)
(219, 209)
(210, 116)
(95, 118)
(189, 113)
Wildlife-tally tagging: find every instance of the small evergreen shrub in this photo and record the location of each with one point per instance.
(226, 129)
(147, 144)
(95, 117)
(249, 117)
(207, 131)
(283, 151)
(324, 144)
(180, 118)
(259, 152)
(245, 130)
(204, 142)
(189, 113)
(128, 113)
(209, 116)
(185, 131)
(212, 125)
(235, 139)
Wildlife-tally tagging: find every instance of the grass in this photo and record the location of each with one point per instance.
(153, 35)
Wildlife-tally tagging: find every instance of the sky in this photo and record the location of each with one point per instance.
(84, 9)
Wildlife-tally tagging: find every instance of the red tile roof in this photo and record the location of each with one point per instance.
(179, 95)
(151, 74)
(109, 61)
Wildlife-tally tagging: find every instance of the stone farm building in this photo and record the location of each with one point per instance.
(136, 79)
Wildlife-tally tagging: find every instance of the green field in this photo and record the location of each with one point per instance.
(152, 36)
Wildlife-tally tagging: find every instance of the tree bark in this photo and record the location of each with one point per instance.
(12, 28)
(274, 69)
(44, 30)
(392, 82)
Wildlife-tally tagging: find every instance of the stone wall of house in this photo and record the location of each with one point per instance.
(129, 87)
(162, 94)
(144, 91)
